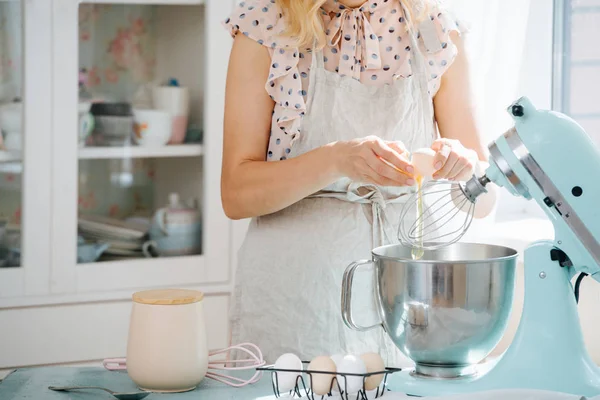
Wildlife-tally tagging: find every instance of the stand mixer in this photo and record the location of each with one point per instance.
(548, 158)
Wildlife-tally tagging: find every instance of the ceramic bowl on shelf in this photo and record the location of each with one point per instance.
(111, 109)
(112, 130)
(152, 128)
(113, 124)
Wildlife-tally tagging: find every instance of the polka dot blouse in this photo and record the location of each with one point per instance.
(368, 43)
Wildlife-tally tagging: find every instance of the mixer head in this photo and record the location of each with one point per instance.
(546, 157)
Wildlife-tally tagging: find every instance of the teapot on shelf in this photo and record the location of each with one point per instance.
(176, 230)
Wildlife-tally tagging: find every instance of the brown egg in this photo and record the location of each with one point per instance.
(321, 383)
(374, 363)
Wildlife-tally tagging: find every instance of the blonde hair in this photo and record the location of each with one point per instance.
(305, 24)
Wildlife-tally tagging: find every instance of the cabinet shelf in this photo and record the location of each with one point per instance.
(183, 150)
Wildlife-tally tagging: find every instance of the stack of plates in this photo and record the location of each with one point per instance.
(125, 238)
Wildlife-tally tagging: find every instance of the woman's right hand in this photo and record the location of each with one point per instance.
(373, 160)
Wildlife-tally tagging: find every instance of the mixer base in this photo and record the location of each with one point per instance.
(548, 352)
(436, 371)
(488, 378)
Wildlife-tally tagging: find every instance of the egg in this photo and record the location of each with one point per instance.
(422, 161)
(321, 383)
(337, 359)
(352, 365)
(373, 363)
(286, 381)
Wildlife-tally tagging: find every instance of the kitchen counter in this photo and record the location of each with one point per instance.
(32, 383)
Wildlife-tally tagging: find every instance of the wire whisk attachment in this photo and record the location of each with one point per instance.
(439, 213)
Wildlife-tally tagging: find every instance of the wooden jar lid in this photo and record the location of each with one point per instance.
(168, 296)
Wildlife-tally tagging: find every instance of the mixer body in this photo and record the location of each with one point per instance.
(547, 157)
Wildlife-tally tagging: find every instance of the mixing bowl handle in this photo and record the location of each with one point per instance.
(347, 297)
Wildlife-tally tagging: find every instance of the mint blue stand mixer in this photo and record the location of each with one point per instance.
(548, 158)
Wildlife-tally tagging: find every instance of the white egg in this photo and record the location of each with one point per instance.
(286, 381)
(321, 383)
(422, 160)
(352, 365)
(337, 359)
(373, 363)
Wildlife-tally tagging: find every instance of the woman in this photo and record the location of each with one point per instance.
(325, 100)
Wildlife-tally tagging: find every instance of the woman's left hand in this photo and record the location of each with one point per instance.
(453, 161)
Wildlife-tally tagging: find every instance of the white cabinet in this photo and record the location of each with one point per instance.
(131, 68)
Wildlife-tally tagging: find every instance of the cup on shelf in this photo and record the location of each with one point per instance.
(176, 101)
(152, 128)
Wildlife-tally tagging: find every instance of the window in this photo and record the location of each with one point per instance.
(559, 69)
(577, 82)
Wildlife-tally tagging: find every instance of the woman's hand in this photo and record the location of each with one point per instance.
(372, 160)
(453, 161)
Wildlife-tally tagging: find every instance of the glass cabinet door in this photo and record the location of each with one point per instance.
(25, 137)
(140, 114)
(132, 212)
(11, 139)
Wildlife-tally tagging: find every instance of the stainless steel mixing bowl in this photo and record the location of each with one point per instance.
(446, 311)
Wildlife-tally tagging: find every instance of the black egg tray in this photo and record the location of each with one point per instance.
(302, 389)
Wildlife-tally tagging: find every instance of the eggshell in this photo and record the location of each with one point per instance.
(422, 160)
(352, 365)
(287, 380)
(321, 383)
(337, 359)
(373, 363)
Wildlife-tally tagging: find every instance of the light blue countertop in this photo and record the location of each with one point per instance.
(32, 384)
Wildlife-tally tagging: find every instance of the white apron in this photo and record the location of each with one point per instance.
(288, 281)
